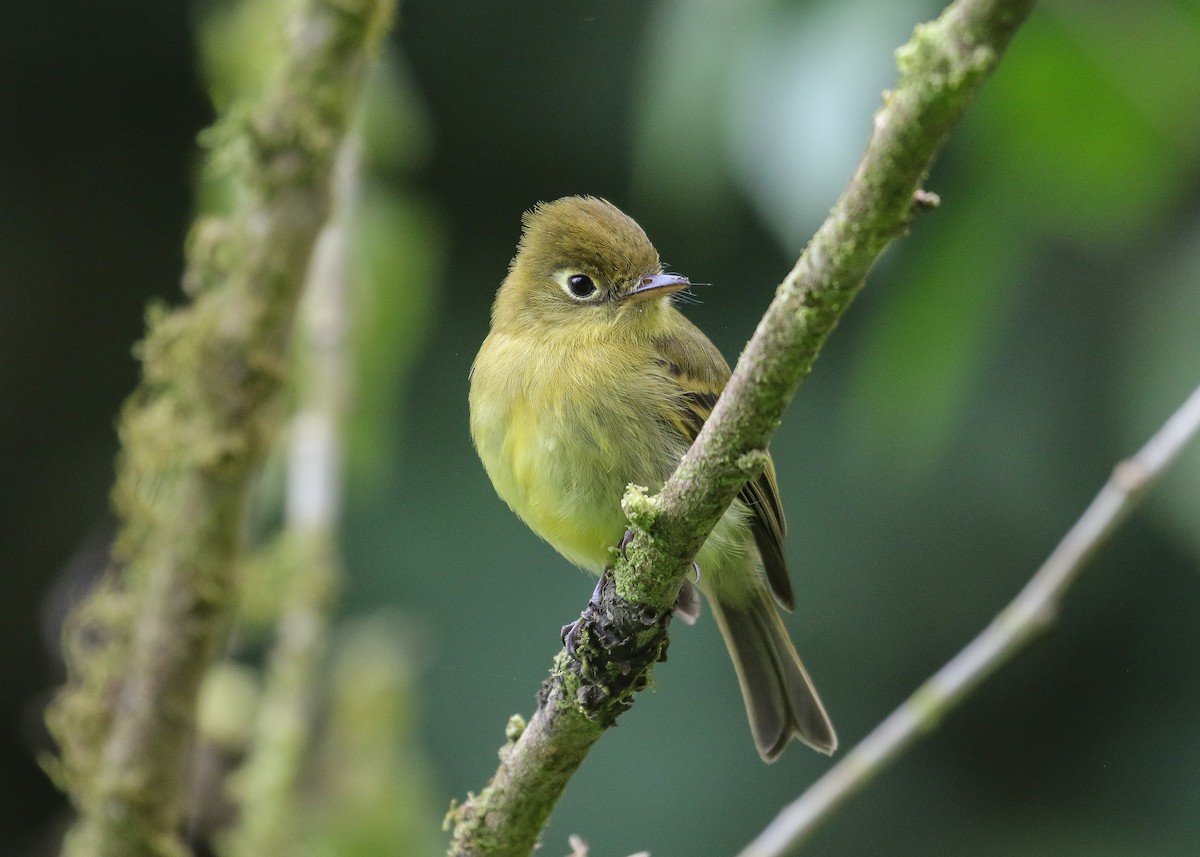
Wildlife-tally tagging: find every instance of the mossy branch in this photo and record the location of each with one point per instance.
(267, 787)
(192, 436)
(941, 70)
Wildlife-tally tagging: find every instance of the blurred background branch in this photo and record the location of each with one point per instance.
(193, 434)
(267, 788)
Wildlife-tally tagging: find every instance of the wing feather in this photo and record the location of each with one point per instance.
(701, 382)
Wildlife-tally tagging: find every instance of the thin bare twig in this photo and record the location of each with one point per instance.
(1028, 614)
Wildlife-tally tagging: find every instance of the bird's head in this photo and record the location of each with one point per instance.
(581, 259)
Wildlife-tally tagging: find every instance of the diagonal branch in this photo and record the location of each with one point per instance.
(1025, 616)
(624, 629)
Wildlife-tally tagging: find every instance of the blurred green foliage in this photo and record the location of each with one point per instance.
(1031, 331)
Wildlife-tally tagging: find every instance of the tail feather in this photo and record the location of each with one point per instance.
(781, 701)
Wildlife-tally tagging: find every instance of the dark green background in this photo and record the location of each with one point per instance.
(1028, 334)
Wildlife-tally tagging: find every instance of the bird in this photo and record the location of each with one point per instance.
(590, 379)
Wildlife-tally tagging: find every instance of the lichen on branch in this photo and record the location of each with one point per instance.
(941, 70)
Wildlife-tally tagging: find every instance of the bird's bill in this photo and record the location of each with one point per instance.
(657, 286)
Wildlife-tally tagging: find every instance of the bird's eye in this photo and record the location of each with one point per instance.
(581, 286)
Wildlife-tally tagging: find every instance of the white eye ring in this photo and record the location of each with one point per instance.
(578, 286)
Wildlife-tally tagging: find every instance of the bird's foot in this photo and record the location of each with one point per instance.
(570, 632)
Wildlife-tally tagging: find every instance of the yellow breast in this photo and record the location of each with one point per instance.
(562, 430)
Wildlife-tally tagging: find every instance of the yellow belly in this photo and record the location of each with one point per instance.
(561, 489)
(562, 438)
(562, 458)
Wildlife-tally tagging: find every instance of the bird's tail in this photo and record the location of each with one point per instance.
(780, 698)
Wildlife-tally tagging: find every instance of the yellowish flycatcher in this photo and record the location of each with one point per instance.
(589, 380)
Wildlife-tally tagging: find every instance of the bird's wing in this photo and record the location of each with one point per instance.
(701, 372)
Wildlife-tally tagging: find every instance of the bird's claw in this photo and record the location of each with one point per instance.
(570, 632)
(569, 635)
